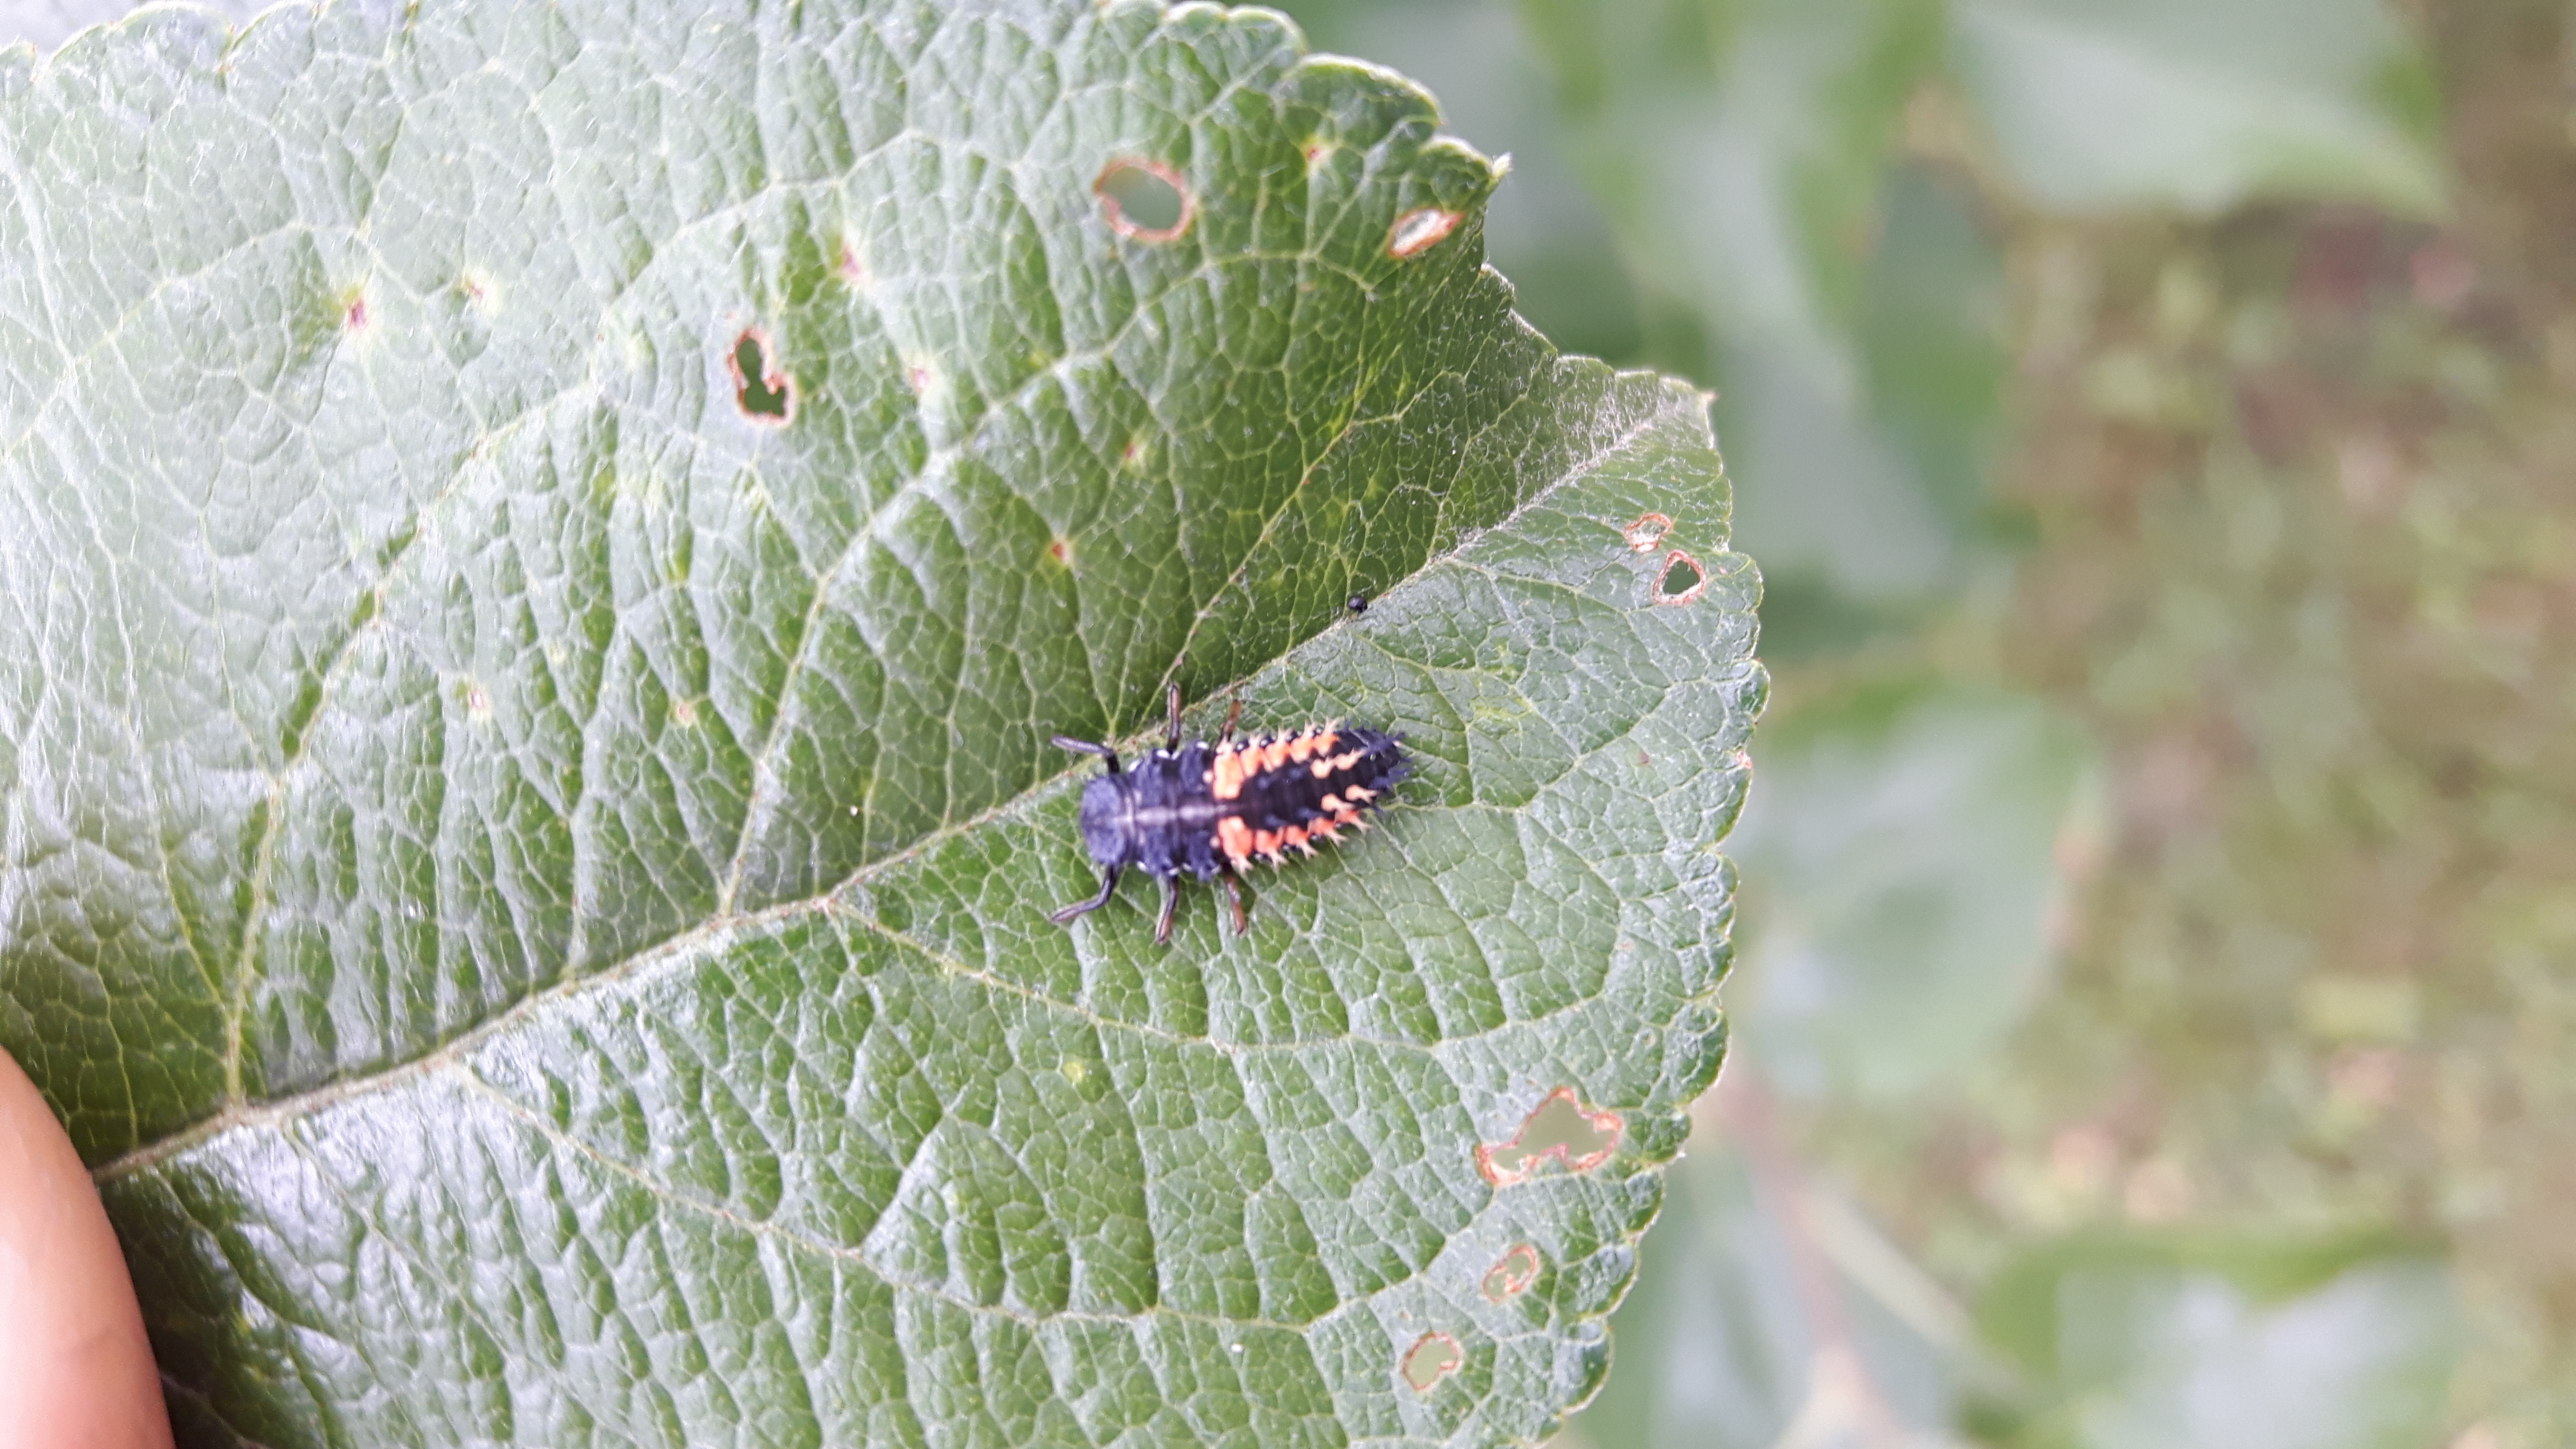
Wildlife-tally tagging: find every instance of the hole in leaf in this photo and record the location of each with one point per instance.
(1417, 232)
(1433, 1357)
(760, 387)
(1515, 1271)
(1646, 532)
(1559, 1128)
(1144, 199)
(1684, 580)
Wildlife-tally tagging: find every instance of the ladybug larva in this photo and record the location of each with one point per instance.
(1213, 809)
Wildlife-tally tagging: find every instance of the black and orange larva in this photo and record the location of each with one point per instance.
(1213, 809)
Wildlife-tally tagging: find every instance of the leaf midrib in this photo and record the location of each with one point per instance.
(715, 930)
(762, 805)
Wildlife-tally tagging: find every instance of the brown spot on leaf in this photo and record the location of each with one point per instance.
(1512, 1273)
(1417, 232)
(1683, 581)
(1560, 1128)
(1144, 199)
(1433, 1357)
(761, 388)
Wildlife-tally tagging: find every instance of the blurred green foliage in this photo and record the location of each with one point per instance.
(2146, 413)
(2153, 1339)
(1890, 959)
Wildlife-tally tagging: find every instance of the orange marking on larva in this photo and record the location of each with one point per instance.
(1275, 756)
(1332, 804)
(1300, 746)
(1293, 835)
(1225, 778)
(1234, 838)
(1326, 769)
(1266, 842)
(1359, 792)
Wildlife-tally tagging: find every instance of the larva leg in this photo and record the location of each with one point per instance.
(1108, 885)
(1234, 898)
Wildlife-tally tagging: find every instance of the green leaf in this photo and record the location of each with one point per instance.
(2200, 104)
(541, 549)
(2138, 1339)
(1908, 851)
(1544, 230)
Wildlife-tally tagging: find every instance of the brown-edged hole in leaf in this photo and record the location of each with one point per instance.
(1417, 232)
(1683, 581)
(1646, 532)
(759, 386)
(1512, 1273)
(1558, 1128)
(1433, 1357)
(1144, 199)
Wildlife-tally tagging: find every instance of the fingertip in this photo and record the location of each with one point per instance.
(76, 1371)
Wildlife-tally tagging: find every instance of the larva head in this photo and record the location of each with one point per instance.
(1104, 822)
